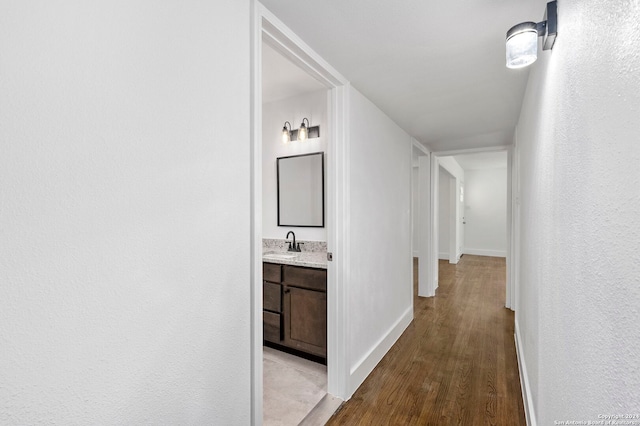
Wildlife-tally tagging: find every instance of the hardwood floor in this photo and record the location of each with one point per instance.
(455, 364)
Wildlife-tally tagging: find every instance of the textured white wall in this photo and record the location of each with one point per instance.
(124, 261)
(444, 213)
(380, 280)
(485, 201)
(313, 106)
(579, 286)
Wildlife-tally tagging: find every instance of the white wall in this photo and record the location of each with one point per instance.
(579, 283)
(124, 261)
(444, 213)
(313, 106)
(451, 165)
(380, 266)
(485, 200)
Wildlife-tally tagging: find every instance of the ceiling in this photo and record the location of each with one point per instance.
(282, 79)
(437, 68)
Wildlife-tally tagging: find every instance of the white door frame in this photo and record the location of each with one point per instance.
(424, 221)
(430, 229)
(453, 236)
(268, 28)
(512, 237)
(513, 231)
(453, 219)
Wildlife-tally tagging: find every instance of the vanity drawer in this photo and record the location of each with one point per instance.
(272, 272)
(271, 296)
(311, 278)
(272, 326)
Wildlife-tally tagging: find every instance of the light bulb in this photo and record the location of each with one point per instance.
(286, 135)
(302, 133)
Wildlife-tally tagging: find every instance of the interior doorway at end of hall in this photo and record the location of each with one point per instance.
(482, 205)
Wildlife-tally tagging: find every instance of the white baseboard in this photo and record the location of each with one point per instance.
(483, 252)
(365, 366)
(443, 256)
(524, 382)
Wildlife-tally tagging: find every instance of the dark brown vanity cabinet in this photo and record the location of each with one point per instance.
(295, 307)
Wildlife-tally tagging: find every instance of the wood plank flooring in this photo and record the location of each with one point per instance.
(455, 364)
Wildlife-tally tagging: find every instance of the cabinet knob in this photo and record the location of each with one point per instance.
(287, 291)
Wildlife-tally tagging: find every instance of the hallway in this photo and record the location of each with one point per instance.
(456, 362)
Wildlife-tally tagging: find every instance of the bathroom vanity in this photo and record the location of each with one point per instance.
(295, 304)
(295, 272)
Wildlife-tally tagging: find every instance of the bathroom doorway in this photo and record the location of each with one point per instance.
(319, 91)
(293, 384)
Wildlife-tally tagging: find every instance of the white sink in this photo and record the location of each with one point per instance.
(279, 255)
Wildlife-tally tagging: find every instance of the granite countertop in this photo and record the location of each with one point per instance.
(311, 259)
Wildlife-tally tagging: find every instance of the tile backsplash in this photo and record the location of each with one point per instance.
(283, 245)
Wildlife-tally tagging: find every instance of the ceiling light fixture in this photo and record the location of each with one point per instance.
(522, 39)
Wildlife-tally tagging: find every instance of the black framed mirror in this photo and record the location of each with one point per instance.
(301, 190)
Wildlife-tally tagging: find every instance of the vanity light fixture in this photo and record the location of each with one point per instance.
(522, 39)
(286, 133)
(303, 133)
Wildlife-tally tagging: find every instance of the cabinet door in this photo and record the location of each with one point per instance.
(305, 320)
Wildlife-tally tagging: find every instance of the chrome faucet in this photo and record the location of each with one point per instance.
(293, 247)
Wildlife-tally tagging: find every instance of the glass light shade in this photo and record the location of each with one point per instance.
(302, 133)
(522, 47)
(286, 136)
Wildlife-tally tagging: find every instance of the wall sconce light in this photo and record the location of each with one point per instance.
(286, 133)
(522, 39)
(302, 134)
